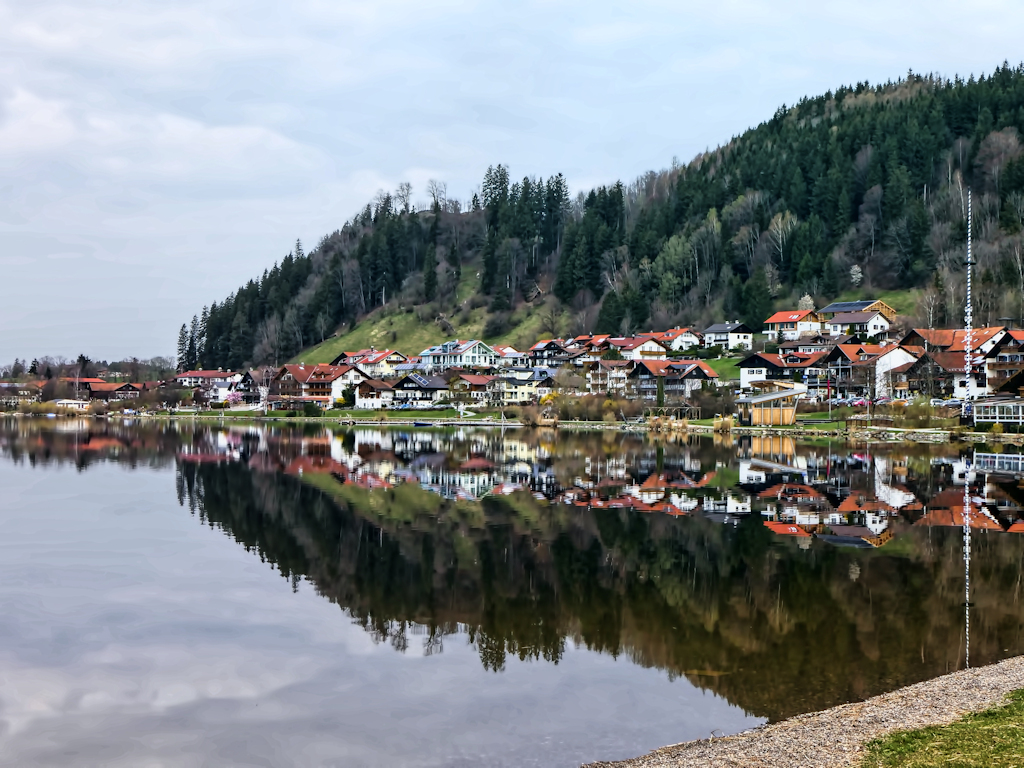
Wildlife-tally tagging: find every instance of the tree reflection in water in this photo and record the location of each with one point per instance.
(653, 551)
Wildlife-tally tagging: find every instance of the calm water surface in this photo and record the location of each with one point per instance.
(244, 596)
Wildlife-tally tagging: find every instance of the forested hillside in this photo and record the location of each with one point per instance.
(863, 189)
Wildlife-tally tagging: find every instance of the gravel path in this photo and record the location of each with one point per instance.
(834, 738)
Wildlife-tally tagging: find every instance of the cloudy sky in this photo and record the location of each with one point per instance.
(154, 155)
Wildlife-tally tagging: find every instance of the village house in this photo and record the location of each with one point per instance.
(420, 389)
(941, 374)
(1004, 360)
(983, 340)
(793, 324)
(322, 384)
(377, 364)
(734, 335)
(458, 354)
(678, 379)
(550, 352)
(889, 366)
(765, 367)
(510, 357)
(607, 376)
(639, 348)
(677, 339)
(14, 393)
(868, 305)
(866, 325)
(373, 394)
(207, 379)
(468, 387)
(113, 391)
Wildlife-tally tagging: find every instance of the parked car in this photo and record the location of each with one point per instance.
(936, 402)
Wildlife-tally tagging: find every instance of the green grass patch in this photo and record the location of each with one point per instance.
(726, 367)
(993, 739)
(391, 328)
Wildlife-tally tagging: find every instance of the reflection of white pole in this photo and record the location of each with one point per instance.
(967, 410)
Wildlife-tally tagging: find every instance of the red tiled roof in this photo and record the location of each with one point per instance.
(788, 316)
(785, 529)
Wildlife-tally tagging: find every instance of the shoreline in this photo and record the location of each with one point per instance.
(835, 737)
(859, 435)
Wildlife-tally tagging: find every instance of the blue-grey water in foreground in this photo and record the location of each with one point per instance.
(130, 635)
(179, 594)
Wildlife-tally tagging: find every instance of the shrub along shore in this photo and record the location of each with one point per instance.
(882, 731)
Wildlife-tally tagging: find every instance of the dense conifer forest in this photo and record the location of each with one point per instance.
(864, 188)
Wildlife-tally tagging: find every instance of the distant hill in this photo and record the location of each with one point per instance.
(854, 192)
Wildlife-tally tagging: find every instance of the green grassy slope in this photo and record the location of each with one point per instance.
(392, 328)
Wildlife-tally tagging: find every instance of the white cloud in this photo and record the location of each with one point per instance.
(200, 138)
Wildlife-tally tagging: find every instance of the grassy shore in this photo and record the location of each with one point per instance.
(993, 738)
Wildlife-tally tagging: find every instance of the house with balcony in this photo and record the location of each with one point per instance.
(729, 336)
(867, 305)
(765, 367)
(607, 376)
(865, 325)
(791, 325)
(677, 379)
(549, 352)
(468, 387)
(113, 391)
(374, 394)
(510, 357)
(639, 348)
(420, 389)
(458, 354)
(677, 339)
(375, 363)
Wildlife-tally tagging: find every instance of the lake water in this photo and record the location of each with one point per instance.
(182, 595)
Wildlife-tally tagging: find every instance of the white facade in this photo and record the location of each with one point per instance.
(685, 340)
(884, 364)
(378, 398)
(648, 350)
(351, 378)
(458, 354)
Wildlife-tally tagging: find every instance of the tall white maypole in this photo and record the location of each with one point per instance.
(967, 410)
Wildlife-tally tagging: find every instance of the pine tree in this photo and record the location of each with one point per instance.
(193, 342)
(430, 275)
(34, 368)
(183, 349)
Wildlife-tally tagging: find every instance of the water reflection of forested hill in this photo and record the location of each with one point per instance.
(529, 542)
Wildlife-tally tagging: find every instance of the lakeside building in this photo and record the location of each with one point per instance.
(791, 325)
(734, 335)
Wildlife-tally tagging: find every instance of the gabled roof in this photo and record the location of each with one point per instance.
(504, 350)
(422, 381)
(453, 347)
(633, 342)
(727, 328)
(790, 360)
(952, 339)
(475, 380)
(110, 386)
(376, 384)
(789, 316)
(847, 306)
(548, 343)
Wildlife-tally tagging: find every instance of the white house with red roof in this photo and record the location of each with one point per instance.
(677, 339)
(375, 363)
(793, 324)
(639, 348)
(510, 357)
